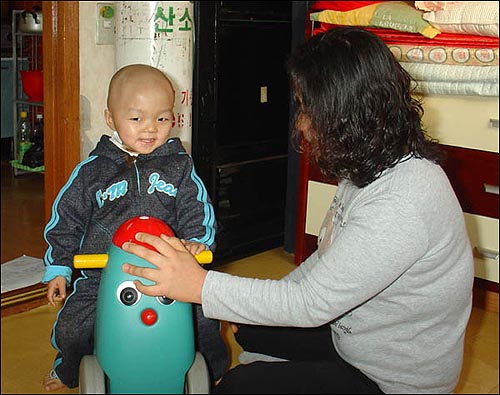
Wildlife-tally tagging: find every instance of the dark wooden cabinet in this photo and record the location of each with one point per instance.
(474, 177)
(241, 111)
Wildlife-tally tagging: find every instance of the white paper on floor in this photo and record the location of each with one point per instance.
(21, 272)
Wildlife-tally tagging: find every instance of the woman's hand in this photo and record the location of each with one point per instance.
(177, 275)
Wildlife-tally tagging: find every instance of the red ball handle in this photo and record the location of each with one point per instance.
(128, 230)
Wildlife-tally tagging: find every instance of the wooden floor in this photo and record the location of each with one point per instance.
(23, 222)
(26, 351)
(23, 217)
(27, 354)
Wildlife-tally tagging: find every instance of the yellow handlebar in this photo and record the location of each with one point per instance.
(90, 261)
(99, 261)
(204, 257)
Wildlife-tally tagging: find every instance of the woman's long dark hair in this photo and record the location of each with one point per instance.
(357, 99)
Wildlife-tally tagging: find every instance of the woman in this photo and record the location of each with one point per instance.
(383, 303)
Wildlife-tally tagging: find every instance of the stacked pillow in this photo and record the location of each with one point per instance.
(449, 47)
(468, 17)
(397, 15)
(429, 18)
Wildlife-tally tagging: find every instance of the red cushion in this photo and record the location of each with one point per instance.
(340, 5)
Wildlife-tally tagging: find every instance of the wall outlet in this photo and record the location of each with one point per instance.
(105, 29)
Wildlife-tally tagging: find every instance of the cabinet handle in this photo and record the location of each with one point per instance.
(493, 123)
(488, 188)
(480, 252)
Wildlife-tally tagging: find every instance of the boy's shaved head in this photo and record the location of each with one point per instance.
(140, 107)
(136, 74)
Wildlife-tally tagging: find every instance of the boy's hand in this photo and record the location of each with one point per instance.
(56, 290)
(194, 247)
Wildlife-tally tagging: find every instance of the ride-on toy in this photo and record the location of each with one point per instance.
(142, 344)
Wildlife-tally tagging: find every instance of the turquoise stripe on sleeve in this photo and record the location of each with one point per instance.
(55, 270)
(48, 258)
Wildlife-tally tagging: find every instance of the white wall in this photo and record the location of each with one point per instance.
(160, 33)
(99, 62)
(97, 65)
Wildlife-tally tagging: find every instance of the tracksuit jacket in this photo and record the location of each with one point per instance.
(103, 191)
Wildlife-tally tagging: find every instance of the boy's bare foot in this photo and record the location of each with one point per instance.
(52, 383)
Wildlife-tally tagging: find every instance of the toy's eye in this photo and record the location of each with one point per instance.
(164, 300)
(127, 293)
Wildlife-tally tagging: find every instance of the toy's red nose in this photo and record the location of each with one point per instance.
(149, 316)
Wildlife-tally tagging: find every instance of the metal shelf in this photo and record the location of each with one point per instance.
(26, 55)
(29, 103)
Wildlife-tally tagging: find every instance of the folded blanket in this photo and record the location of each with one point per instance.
(446, 79)
(457, 88)
(445, 55)
(445, 72)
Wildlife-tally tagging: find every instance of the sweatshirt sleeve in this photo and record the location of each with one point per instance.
(195, 213)
(66, 227)
(380, 242)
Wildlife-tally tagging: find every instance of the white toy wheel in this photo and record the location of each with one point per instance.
(92, 379)
(197, 377)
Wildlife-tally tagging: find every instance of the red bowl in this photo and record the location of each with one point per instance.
(32, 83)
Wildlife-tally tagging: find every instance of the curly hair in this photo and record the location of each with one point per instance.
(356, 103)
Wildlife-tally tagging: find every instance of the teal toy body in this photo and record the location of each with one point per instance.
(152, 338)
(143, 344)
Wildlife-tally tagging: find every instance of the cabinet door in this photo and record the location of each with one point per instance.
(483, 235)
(463, 121)
(249, 198)
(253, 94)
(474, 177)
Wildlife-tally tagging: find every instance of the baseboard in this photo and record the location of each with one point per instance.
(24, 299)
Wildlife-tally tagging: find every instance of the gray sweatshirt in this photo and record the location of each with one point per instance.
(393, 275)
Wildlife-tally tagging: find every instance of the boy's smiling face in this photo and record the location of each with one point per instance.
(140, 109)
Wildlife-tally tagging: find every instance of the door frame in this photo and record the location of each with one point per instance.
(61, 78)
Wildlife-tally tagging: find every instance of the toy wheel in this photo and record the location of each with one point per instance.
(92, 380)
(197, 377)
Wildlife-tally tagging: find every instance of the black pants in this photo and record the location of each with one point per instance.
(314, 367)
